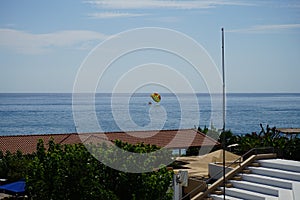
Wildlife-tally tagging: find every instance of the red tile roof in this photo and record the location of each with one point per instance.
(165, 138)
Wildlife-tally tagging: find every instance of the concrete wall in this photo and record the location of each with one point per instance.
(214, 169)
(194, 183)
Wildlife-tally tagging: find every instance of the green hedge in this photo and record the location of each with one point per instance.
(71, 172)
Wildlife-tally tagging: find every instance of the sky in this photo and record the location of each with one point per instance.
(43, 44)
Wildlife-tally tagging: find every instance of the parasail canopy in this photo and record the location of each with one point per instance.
(156, 97)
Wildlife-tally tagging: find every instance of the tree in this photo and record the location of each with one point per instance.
(71, 172)
(144, 186)
(269, 137)
(229, 137)
(65, 172)
(13, 166)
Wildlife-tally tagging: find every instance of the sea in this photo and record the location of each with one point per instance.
(52, 113)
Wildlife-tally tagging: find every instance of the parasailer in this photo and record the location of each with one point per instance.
(156, 97)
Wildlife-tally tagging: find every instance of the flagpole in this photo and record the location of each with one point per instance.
(223, 129)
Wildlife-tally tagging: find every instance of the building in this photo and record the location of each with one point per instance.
(171, 139)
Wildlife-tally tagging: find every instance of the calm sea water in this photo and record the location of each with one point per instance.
(52, 113)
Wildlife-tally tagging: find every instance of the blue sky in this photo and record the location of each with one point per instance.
(43, 43)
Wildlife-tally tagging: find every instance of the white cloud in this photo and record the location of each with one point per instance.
(168, 19)
(29, 43)
(266, 28)
(174, 4)
(134, 5)
(104, 15)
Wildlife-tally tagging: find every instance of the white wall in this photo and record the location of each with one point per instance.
(213, 169)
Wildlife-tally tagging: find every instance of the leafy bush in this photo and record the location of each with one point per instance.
(71, 172)
(150, 185)
(65, 172)
(13, 166)
(287, 148)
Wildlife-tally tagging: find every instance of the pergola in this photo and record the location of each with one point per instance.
(292, 132)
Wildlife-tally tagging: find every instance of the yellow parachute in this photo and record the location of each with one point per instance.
(156, 97)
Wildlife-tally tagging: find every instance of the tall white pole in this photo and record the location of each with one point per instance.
(223, 129)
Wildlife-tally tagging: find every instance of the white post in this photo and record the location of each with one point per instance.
(177, 188)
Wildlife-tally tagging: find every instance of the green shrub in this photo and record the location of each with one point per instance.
(71, 172)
